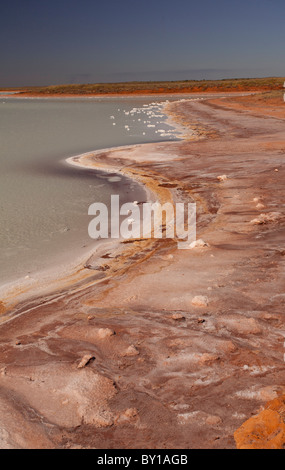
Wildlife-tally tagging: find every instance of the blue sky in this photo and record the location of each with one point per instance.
(84, 41)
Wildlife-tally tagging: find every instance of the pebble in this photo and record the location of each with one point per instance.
(105, 333)
(177, 316)
(85, 360)
(131, 351)
(213, 420)
(200, 301)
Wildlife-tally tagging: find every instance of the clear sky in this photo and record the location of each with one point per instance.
(87, 41)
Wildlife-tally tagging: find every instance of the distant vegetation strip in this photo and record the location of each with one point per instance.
(185, 86)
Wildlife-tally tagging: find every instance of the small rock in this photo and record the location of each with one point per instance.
(207, 358)
(213, 420)
(177, 316)
(266, 218)
(200, 301)
(129, 415)
(85, 360)
(239, 325)
(105, 333)
(260, 206)
(222, 177)
(131, 351)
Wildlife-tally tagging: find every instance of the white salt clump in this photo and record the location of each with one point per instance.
(198, 244)
(114, 179)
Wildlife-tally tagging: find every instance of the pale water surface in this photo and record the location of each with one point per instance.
(43, 200)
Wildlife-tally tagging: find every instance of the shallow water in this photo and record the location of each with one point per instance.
(43, 200)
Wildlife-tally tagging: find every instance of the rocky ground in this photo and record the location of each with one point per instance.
(167, 348)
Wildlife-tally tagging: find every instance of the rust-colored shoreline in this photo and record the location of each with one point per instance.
(19, 296)
(142, 93)
(191, 340)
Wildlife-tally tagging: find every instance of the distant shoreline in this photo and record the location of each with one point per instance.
(122, 95)
(153, 87)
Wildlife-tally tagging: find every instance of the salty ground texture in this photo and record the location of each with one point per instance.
(166, 348)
